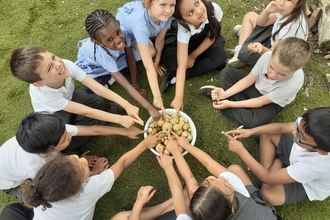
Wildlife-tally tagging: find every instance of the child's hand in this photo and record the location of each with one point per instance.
(218, 94)
(234, 145)
(133, 112)
(154, 113)
(100, 165)
(144, 194)
(177, 104)
(151, 140)
(224, 104)
(160, 70)
(165, 161)
(182, 141)
(271, 7)
(141, 91)
(127, 121)
(172, 144)
(240, 133)
(255, 47)
(90, 159)
(190, 61)
(134, 132)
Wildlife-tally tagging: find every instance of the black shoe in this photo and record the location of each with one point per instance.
(207, 90)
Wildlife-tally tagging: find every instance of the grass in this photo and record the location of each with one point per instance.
(58, 25)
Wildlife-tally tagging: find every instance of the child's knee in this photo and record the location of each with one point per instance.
(251, 16)
(121, 216)
(235, 168)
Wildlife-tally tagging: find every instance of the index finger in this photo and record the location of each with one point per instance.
(227, 135)
(163, 110)
(138, 120)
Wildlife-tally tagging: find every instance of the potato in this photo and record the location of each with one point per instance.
(168, 123)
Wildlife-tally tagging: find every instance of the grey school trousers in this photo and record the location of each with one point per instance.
(249, 117)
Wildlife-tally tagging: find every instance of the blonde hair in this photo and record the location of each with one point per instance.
(292, 52)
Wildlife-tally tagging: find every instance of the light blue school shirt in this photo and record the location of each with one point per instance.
(105, 61)
(135, 20)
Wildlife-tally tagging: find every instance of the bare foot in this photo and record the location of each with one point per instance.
(90, 159)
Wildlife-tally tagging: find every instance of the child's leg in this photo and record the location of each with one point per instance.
(248, 24)
(16, 211)
(213, 58)
(268, 145)
(238, 171)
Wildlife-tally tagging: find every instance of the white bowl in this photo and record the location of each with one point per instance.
(171, 111)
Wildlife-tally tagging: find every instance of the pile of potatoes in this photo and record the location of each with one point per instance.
(168, 123)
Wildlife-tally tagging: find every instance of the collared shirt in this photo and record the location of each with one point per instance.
(184, 35)
(297, 28)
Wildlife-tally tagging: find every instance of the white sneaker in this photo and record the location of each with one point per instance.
(111, 81)
(234, 62)
(237, 29)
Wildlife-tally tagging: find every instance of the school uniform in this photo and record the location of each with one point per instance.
(135, 21)
(280, 92)
(297, 28)
(211, 59)
(55, 101)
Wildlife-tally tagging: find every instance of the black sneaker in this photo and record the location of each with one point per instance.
(207, 90)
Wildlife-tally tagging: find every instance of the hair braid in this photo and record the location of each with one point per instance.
(96, 21)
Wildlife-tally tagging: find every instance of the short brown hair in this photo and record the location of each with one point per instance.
(24, 62)
(292, 52)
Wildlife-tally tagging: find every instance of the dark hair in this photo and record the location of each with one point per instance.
(215, 27)
(296, 12)
(24, 62)
(56, 180)
(209, 203)
(317, 125)
(40, 132)
(97, 20)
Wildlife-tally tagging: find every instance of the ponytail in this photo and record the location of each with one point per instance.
(215, 27)
(57, 180)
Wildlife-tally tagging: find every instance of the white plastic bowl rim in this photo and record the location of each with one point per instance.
(170, 111)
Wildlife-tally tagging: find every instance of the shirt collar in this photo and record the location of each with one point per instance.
(193, 30)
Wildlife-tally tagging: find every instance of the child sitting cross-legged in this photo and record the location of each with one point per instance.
(253, 99)
(294, 157)
(52, 90)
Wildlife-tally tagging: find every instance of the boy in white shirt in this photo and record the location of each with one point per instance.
(294, 157)
(40, 137)
(52, 90)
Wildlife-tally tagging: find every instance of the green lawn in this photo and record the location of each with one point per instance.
(58, 25)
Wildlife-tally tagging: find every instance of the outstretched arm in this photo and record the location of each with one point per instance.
(280, 176)
(182, 165)
(136, 95)
(103, 130)
(179, 203)
(249, 103)
(128, 158)
(144, 195)
(212, 166)
(151, 74)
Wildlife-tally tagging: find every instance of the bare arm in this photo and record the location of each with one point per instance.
(280, 176)
(131, 64)
(128, 158)
(151, 74)
(207, 42)
(136, 95)
(179, 203)
(80, 109)
(267, 16)
(249, 103)
(102, 130)
(159, 45)
(100, 90)
(182, 57)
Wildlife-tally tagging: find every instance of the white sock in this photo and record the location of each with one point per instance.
(173, 81)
